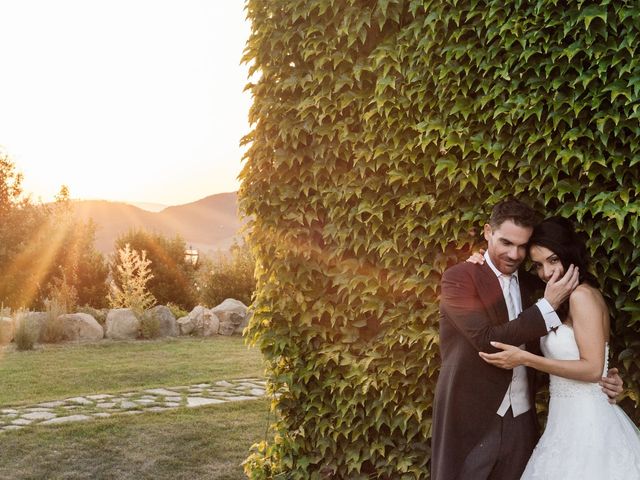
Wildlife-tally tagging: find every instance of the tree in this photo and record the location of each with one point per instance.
(228, 276)
(10, 185)
(21, 231)
(173, 278)
(72, 256)
(133, 274)
(44, 249)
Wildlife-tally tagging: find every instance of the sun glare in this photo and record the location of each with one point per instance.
(124, 100)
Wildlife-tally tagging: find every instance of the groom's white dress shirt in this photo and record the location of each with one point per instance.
(517, 396)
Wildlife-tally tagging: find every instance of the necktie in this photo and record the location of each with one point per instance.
(508, 296)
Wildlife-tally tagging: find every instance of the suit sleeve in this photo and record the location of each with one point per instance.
(461, 304)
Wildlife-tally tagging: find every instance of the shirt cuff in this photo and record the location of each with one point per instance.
(551, 318)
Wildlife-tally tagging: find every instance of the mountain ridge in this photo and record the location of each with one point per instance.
(210, 224)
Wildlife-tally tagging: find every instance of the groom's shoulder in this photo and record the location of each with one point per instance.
(461, 270)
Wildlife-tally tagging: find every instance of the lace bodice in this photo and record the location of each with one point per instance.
(561, 345)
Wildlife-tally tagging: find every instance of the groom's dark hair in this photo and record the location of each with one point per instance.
(511, 209)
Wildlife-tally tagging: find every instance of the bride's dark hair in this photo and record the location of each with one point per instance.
(558, 235)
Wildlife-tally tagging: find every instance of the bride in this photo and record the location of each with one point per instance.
(585, 437)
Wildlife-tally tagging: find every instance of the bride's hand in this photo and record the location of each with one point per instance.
(510, 357)
(477, 257)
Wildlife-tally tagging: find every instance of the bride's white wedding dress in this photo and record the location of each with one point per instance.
(586, 438)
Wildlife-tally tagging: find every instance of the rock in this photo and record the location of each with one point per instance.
(200, 401)
(185, 325)
(80, 326)
(67, 419)
(122, 324)
(7, 330)
(168, 326)
(233, 316)
(39, 416)
(201, 321)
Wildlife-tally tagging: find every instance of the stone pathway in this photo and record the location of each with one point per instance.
(87, 407)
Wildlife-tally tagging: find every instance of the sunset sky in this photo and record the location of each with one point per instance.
(138, 100)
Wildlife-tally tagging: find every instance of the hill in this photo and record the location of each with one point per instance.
(209, 224)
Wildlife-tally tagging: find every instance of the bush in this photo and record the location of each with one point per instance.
(228, 276)
(26, 334)
(132, 275)
(149, 325)
(172, 277)
(176, 310)
(52, 329)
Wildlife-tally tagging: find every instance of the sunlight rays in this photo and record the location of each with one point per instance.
(35, 260)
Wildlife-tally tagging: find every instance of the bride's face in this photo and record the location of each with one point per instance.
(545, 262)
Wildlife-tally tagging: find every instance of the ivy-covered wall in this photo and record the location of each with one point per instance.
(383, 132)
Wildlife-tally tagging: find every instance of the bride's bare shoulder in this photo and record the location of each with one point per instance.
(587, 297)
(585, 292)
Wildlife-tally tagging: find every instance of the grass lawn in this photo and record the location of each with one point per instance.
(186, 443)
(208, 442)
(53, 372)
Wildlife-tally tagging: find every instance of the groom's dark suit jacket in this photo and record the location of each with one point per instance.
(469, 390)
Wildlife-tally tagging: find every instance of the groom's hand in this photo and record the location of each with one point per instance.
(612, 384)
(558, 290)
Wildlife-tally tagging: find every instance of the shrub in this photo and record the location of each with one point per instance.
(228, 276)
(26, 334)
(52, 329)
(176, 310)
(172, 277)
(133, 274)
(149, 325)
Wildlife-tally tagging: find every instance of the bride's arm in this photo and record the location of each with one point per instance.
(587, 315)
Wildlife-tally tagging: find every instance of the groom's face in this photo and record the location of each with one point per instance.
(507, 245)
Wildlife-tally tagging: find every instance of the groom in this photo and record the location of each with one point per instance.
(484, 420)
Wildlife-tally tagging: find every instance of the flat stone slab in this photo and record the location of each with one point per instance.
(101, 396)
(80, 401)
(102, 415)
(68, 419)
(257, 391)
(55, 404)
(127, 405)
(12, 427)
(105, 404)
(239, 398)
(200, 401)
(224, 383)
(162, 391)
(39, 416)
(21, 421)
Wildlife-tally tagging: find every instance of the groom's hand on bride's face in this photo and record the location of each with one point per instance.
(559, 289)
(612, 385)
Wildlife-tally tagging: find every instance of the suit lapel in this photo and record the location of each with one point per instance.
(488, 287)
